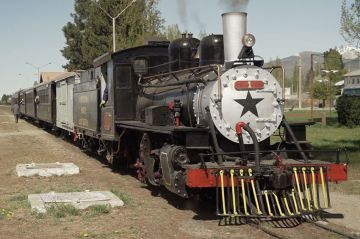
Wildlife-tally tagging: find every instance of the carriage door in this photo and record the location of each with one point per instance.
(125, 92)
(62, 104)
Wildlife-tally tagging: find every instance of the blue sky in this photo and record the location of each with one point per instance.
(30, 30)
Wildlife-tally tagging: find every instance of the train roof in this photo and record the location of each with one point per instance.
(49, 76)
(110, 55)
(65, 76)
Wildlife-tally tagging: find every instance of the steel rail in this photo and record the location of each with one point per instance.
(267, 231)
(317, 224)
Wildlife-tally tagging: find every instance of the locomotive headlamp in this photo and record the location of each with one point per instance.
(248, 40)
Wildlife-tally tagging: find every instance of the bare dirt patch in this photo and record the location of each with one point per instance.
(148, 213)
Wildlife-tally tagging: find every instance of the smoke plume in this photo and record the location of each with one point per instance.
(235, 5)
(182, 12)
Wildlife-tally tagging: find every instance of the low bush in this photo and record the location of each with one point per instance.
(348, 108)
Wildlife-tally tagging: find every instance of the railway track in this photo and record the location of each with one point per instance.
(341, 234)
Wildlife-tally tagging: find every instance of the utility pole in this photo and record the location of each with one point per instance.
(312, 83)
(329, 72)
(37, 68)
(113, 19)
(300, 90)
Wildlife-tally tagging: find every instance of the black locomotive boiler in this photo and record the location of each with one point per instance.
(195, 116)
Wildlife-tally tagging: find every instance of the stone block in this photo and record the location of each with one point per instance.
(46, 169)
(80, 200)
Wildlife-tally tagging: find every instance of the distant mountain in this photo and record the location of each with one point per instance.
(351, 59)
(290, 62)
(349, 52)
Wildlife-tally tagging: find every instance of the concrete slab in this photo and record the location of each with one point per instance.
(80, 200)
(46, 169)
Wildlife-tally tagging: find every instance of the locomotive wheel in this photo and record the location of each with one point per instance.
(146, 162)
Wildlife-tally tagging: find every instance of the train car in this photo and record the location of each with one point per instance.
(86, 105)
(64, 100)
(30, 107)
(22, 103)
(196, 117)
(45, 106)
(113, 73)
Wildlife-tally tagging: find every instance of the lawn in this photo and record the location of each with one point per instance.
(333, 136)
(305, 115)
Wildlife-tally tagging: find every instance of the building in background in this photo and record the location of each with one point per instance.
(352, 83)
(49, 76)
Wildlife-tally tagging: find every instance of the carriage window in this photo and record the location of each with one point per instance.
(123, 76)
(141, 66)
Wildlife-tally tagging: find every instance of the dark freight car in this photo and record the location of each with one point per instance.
(86, 104)
(30, 109)
(45, 102)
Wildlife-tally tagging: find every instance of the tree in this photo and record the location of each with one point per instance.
(320, 91)
(4, 99)
(90, 33)
(350, 21)
(334, 69)
(172, 32)
(73, 32)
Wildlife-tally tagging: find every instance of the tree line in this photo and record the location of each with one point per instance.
(89, 34)
(326, 75)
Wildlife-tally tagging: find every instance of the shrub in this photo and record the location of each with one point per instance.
(348, 108)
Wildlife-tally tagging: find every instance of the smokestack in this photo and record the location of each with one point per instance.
(234, 28)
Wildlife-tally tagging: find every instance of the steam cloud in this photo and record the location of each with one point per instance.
(182, 11)
(235, 5)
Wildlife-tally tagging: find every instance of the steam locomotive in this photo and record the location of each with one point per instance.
(194, 117)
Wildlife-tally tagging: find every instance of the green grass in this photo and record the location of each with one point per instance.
(123, 196)
(97, 210)
(305, 115)
(331, 137)
(19, 201)
(62, 210)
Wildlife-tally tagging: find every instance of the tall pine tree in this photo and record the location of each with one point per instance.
(90, 33)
